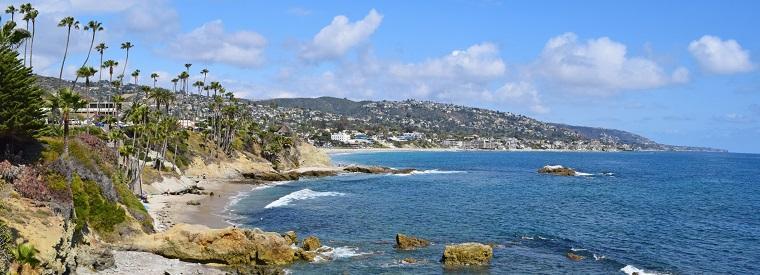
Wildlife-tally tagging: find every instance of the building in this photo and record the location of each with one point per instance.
(341, 137)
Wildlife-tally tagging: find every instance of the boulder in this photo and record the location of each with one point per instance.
(311, 243)
(409, 261)
(557, 170)
(291, 237)
(467, 254)
(409, 242)
(377, 170)
(308, 256)
(231, 246)
(574, 257)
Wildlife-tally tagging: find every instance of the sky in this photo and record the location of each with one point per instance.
(678, 72)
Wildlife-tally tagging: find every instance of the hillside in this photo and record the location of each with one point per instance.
(449, 121)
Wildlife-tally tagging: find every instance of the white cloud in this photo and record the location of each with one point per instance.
(478, 63)
(720, 56)
(155, 18)
(600, 66)
(520, 93)
(210, 43)
(340, 36)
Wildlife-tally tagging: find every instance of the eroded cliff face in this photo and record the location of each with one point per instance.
(301, 154)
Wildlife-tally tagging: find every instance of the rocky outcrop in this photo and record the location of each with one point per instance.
(311, 243)
(467, 254)
(377, 170)
(291, 237)
(557, 170)
(231, 246)
(405, 242)
(574, 257)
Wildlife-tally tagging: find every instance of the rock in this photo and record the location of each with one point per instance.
(574, 257)
(308, 256)
(231, 246)
(377, 170)
(409, 261)
(467, 254)
(95, 257)
(193, 203)
(318, 173)
(557, 170)
(272, 176)
(291, 237)
(410, 242)
(311, 243)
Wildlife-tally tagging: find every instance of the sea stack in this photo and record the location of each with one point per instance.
(557, 170)
(467, 254)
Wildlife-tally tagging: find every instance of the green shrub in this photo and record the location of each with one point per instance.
(92, 208)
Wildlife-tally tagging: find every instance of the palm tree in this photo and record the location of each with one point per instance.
(67, 102)
(199, 84)
(32, 16)
(95, 27)
(175, 80)
(12, 37)
(184, 76)
(12, 11)
(126, 46)
(67, 22)
(135, 75)
(117, 103)
(23, 9)
(205, 73)
(86, 72)
(110, 64)
(101, 48)
(187, 71)
(155, 78)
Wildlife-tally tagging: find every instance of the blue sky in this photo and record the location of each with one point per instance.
(679, 72)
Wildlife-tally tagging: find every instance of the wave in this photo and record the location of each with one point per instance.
(304, 194)
(581, 174)
(629, 269)
(427, 172)
(327, 253)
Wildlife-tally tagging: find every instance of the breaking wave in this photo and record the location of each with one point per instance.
(304, 194)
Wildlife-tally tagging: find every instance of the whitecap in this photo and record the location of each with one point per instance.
(326, 253)
(599, 258)
(629, 269)
(577, 249)
(304, 194)
(581, 174)
(427, 172)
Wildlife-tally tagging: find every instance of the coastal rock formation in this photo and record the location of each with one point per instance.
(409, 242)
(574, 257)
(409, 260)
(557, 170)
(377, 170)
(232, 246)
(467, 254)
(291, 237)
(311, 243)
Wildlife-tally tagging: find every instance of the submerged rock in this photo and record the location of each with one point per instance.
(467, 254)
(409, 260)
(311, 243)
(557, 170)
(574, 257)
(231, 246)
(409, 242)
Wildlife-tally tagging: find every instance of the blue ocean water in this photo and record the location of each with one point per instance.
(675, 213)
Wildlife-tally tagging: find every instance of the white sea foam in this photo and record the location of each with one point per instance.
(327, 253)
(599, 257)
(271, 184)
(304, 194)
(629, 269)
(427, 172)
(581, 174)
(577, 249)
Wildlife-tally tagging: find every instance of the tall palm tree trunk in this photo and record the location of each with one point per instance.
(65, 53)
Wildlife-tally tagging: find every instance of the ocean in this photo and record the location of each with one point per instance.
(646, 212)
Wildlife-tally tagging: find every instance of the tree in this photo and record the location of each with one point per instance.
(68, 22)
(32, 15)
(21, 114)
(95, 27)
(12, 11)
(86, 72)
(155, 78)
(110, 64)
(198, 84)
(184, 76)
(101, 48)
(135, 75)
(174, 81)
(205, 73)
(12, 37)
(126, 46)
(187, 72)
(68, 102)
(23, 9)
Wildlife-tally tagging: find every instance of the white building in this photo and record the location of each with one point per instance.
(341, 136)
